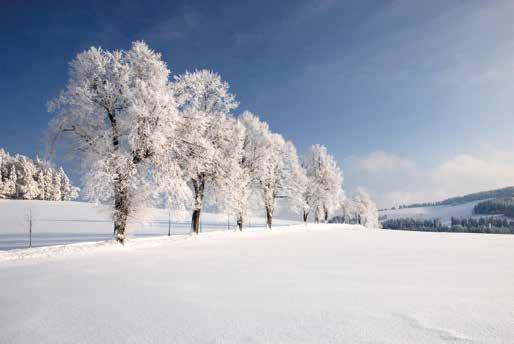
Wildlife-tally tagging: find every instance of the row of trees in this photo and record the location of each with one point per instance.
(408, 223)
(491, 221)
(494, 225)
(23, 178)
(144, 137)
(417, 205)
(360, 209)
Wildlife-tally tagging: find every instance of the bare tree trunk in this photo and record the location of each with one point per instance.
(121, 196)
(305, 215)
(269, 216)
(199, 187)
(121, 208)
(325, 211)
(195, 221)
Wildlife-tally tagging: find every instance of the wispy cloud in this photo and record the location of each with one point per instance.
(308, 9)
(242, 38)
(175, 27)
(380, 161)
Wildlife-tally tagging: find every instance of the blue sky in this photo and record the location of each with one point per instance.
(414, 98)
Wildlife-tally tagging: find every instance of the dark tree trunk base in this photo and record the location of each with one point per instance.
(195, 221)
(269, 219)
(120, 224)
(121, 209)
(240, 223)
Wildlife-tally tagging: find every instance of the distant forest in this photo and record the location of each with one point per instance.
(506, 192)
(500, 206)
(493, 225)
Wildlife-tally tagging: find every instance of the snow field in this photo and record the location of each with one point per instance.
(323, 284)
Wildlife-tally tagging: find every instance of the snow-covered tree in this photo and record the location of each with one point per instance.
(48, 187)
(268, 153)
(119, 113)
(295, 180)
(205, 102)
(56, 187)
(324, 187)
(31, 180)
(365, 209)
(233, 192)
(68, 191)
(41, 185)
(2, 173)
(348, 212)
(238, 196)
(9, 189)
(27, 185)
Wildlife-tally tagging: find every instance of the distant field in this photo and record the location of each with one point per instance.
(55, 223)
(443, 212)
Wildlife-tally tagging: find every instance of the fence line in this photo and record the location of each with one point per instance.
(56, 235)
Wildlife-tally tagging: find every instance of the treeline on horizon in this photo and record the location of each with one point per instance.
(492, 225)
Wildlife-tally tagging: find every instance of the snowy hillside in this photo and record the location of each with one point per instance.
(68, 222)
(325, 284)
(443, 212)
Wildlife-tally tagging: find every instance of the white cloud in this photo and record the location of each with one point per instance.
(175, 27)
(379, 161)
(393, 180)
(467, 173)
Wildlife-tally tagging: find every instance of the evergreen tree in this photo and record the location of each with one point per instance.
(48, 185)
(56, 187)
(32, 179)
(28, 186)
(10, 184)
(68, 191)
(41, 185)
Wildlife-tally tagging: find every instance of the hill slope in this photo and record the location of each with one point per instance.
(477, 196)
(442, 212)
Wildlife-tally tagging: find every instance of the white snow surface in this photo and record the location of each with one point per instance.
(320, 284)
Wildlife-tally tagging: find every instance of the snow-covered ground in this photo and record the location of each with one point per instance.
(443, 212)
(56, 223)
(324, 284)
